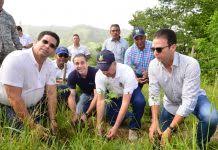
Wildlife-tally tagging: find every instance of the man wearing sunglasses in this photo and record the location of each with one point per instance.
(179, 77)
(63, 68)
(139, 55)
(23, 78)
(116, 43)
(118, 79)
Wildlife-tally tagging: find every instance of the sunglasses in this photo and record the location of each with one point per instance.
(63, 55)
(50, 45)
(158, 49)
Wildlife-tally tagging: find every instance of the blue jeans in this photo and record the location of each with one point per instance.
(137, 103)
(206, 114)
(83, 103)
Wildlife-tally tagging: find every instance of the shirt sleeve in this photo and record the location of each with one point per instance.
(104, 45)
(127, 58)
(11, 72)
(191, 87)
(99, 83)
(71, 81)
(154, 87)
(14, 35)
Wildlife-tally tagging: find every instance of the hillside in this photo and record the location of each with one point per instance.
(88, 34)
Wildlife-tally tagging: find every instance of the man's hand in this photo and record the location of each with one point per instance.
(83, 118)
(74, 120)
(166, 136)
(154, 129)
(54, 126)
(112, 133)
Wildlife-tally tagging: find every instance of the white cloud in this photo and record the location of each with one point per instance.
(98, 13)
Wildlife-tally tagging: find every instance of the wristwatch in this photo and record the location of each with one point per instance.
(172, 128)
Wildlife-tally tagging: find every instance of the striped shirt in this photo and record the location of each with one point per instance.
(138, 59)
(181, 87)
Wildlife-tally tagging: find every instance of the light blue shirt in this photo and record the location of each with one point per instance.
(117, 47)
(181, 87)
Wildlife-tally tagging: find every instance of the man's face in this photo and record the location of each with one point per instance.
(81, 65)
(76, 40)
(1, 4)
(45, 47)
(115, 32)
(62, 58)
(111, 71)
(167, 51)
(20, 33)
(140, 42)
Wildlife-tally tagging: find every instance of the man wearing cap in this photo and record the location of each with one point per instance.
(120, 80)
(116, 43)
(63, 69)
(139, 55)
(24, 75)
(84, 77)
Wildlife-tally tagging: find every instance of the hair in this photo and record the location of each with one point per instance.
(19, 28)
(115, 25)
(168, 34)
(76, 35)
(54, 35)
(80, 55)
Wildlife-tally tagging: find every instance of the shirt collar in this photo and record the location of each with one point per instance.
(115, 40)
(176, 59)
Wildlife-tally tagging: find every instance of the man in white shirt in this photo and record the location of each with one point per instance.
(116, 43)
(63, 68)
(77, 48)
(179, 77)
(118, 79)
(25, 39)
(23, 78)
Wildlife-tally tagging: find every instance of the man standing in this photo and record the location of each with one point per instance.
(77, 48)
(116, 44)
(139, 55)
(119, 79)
(23, 78)
(9, 40)
(25, 39)
(84, 77)
(179, 77)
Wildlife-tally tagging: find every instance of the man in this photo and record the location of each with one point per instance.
(84, 77)
(179, 77)
(63, 69)
(25, 39)
(119, 79)
(9, 40)
(116, 44)
(23, 76)
(139, 55)
(77, 48)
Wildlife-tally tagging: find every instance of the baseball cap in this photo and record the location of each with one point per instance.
(105, 59)
(62, 50)
(138, 31)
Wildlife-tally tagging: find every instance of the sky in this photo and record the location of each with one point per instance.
(97, 13)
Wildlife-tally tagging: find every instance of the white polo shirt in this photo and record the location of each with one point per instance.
(60, 73)
(124, 81)
(74, 51)
(20, 69)
(25, 40)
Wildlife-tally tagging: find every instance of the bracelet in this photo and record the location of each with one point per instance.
(172, 128)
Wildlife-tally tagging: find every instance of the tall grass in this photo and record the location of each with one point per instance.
(83, 138)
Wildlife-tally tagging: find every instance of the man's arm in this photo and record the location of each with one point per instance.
(17, 103)
(52, 105)
(72, 104)
(93, 103)
(100, 111)
(15, 37)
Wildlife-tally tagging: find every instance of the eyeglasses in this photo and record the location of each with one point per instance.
(50, 45)
(158, 49)
(63, 55)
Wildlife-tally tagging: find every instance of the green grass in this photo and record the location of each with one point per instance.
(80, 138)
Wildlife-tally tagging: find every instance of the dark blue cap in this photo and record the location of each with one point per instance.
(105, 59)
(138, 31)
(62, 50)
